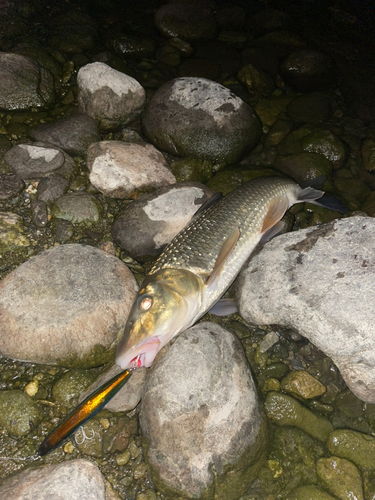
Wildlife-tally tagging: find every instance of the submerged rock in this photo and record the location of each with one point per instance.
(112, 98)
(65, 306)
(121, 169)
(200, 118)
(153, 220)
(319, 281)
(204, 431)
(341, 477)
(72, 480)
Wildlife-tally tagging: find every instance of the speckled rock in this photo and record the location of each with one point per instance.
(73, 134)
(121, 169)
(128, 397)
(188, 19)
(78, 208)
(214, 423)
(66, 305)
(19, 413)
(71, 480)
(319, 281)
(287, 411)
(112, 98)
(200, 118)
(23, 83)
(153, 220)
(341, 477)
(307, 70)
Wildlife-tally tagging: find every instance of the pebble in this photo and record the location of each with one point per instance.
(29, 161)
(200, 118)
(302, 384)
(215, 419)
(60, 298)
(319, 282)
(71, 480)
(72, 134)
(111, 97)
(10, 185)
(122, 169)
(285, 410)
(355, 446)
(52, 187)
(151, 221)
(123, 458)
(341, 477)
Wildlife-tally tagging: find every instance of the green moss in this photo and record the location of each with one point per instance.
(97, 356)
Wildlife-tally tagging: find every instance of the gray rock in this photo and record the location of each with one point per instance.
(72, 480)
(78, 208)
(39, 213)
(73, 134)
(52, 187)
(120, 169)
(10, 184)
(128, 397)
(66, 305)
(320, 282)
(23, 83)
(111, 97)
(153, 220)
(204, 431)
(190, 20)
(201, 118)
(30, 161)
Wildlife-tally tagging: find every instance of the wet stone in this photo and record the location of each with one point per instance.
(73, 134)
(73, 299)
(151, 221)
(112, 98)
(52, 187)
(19, 414)
(10, 185)
(133, 47)
(302, 384)
(306, 166)
(63, 230)
(200, 118)
(122, 169)
(285, 410)
(78, 208)
(357, 447)
(308, 493)
(39, 213)
(71, 480)
(71, 384)
(341, 477)
(29, 161)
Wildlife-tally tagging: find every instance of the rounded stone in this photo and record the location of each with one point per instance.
(78, 208)
(302, 384)
(341, 477)
(215, 421)
(19, 413)
(151, 221)
(112, 98)
(66, 306)
(31, 161)
(200, 118)
(123, 169)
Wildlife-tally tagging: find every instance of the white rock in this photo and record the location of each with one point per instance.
(118, 168)
(111, 97)
(321, 282)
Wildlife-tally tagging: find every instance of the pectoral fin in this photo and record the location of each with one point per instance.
(224, 307)
(276, 210)
(225, 251)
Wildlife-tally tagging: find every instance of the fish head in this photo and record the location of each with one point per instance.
(166, 304)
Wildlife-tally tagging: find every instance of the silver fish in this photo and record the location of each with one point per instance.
(201, 262)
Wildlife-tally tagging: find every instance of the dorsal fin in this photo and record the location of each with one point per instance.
(276, 210)
(225, 251)
(212, 200)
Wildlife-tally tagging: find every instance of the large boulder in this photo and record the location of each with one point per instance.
(203, 428)
(320, 282)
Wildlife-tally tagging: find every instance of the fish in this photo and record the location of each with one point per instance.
(189, 277)
(202, 261)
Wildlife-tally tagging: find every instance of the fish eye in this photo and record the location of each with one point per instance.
(145, 303)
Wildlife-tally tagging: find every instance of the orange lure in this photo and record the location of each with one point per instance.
(84, 412)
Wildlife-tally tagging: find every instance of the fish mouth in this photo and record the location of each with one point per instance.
(141, 355)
